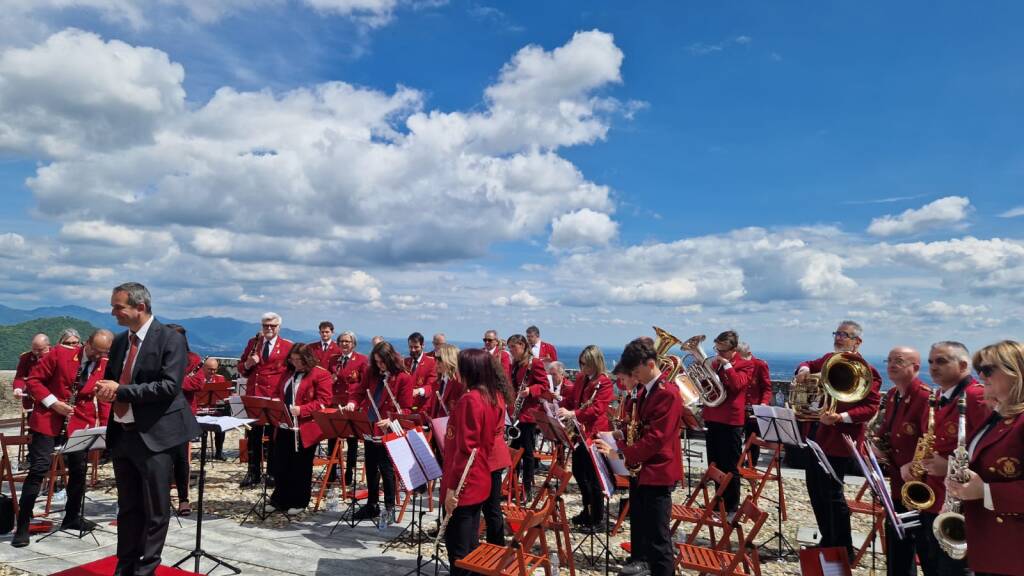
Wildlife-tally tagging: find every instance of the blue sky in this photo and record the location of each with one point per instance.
(592, 167)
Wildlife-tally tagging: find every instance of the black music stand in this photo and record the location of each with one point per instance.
(266, 412)
(345, 424)
(783, 430)
(213, 396)
(198, 553)
(82, 440)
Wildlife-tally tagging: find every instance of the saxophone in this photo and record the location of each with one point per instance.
(916, 494)
(632, 435)
(512, 432)
(950, 527)
(880, 437)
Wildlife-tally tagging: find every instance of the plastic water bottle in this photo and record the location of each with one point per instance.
(332, 500)
(553, 560)
(60, 496)
(382, 519)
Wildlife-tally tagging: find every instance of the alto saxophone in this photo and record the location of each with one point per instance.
(916, 494)
(632, 435)
(950, 527)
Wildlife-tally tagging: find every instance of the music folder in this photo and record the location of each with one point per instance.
(604, 475)
(85, 439)
(412, 458)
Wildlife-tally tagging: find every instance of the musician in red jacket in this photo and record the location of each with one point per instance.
(448, 388)
(305, 389)
(424, 373)
(499, 461)
(493, 345)
(543, 350)
(210, 367)
(349, 369)
(325, 350)
(386, 392)
(529, 380)
(465, 485)
(561, 388)
(759, 392)
(949, 364)
(62, 385)
(40, 347)
(190, 387)
(827, 499)
(656, 450)
(262, 364)
(904, 421)
(993, 496)
(587, 411)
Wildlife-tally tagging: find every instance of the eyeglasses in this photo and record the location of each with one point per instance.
(939, 361)
(898, 363)
(986, 370)
(842, 334)
(271, 325)
(490, 339)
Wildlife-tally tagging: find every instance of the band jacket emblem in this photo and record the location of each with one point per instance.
(951, 428)
(909, 429)
(354, 375)
(449, 433)
(1008, 467)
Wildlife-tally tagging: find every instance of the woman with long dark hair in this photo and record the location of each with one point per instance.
(470, 427)
(529, 380)
(386, 393)
(305, 389)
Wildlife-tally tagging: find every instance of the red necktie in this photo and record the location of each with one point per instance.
(121, 408)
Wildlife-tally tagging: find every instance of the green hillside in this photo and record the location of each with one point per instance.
(17, 338)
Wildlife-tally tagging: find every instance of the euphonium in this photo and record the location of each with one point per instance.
(672, 365)
(916, 494)
(845, 377)
(712, 392)
(950, 527)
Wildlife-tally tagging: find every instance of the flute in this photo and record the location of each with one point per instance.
(441, 402)
(458, 493)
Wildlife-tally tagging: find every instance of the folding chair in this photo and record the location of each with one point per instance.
(515, 558)
(719, 558)
(621, 484)
(7, 473)
(510, 487)
(758, 478)
(861, 506)
(323, 479)
(551, 491)
(710, 512)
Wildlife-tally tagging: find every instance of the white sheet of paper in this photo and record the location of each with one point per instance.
(236, 406)
(86, 438)
(830, 567)
(225, 423)
(604, 475)
(823, 460)
(777, 424)
(618, 465)
(409, 470)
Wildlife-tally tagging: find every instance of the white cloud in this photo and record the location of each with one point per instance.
(941, 213)
(704, 48)
(582, 228)
(940, 308)
(525, 300)
(1013, 212)
(373, 12)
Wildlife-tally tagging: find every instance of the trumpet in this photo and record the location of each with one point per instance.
(950, 526)
(916, 494)
(712, 392)
(845, 377)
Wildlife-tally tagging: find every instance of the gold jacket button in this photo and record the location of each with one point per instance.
(991, 469)
(999, 520)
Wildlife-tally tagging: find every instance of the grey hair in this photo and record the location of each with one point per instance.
(272, 316)
(67, 334)
(351, 335)
(137, 293)
(491, 331)
(101, 332)
(857, 329)
(743, 349)
(957, 349)
(556, 367)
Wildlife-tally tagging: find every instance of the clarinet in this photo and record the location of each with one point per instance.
(458, 494)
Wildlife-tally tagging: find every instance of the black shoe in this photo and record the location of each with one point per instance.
(634, 568)
(249, 481)
(595, 528)
(81, 524)
(20, 539)
(367, 512)
(270, 481)
(581, 519)
(219, 456)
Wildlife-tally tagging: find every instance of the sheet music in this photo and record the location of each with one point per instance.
(876, 482)
(831, 567)
(409, 471)
(819, 454)
(785, 428)
(225, 423)
(603, 474)
(615, 461)
(424, 455)
(440, 428)
(236, 407)
(85, 438)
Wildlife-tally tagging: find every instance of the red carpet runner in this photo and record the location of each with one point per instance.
(105, 567)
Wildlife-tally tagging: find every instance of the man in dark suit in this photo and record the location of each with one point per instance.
(149, 422)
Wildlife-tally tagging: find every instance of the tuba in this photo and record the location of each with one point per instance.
(845, 377)
(672, 365)
(916, 494)
(950, 527)
(700, 373)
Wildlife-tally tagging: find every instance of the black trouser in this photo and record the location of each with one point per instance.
(378, 466)
(143, 502)
(650, 509)
(294, 485)
(461, 535)
(724, 445)
(494, 520)
(256, 448)
(635, 525)
(750, 429)
(352, 452)
(590, 489)
(899, 554)
(934, 560)
(828, 501)
(218, 442)
(527, 441)
(181, 472)
(40, 455)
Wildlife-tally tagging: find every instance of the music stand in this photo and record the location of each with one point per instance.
(690, 422)
(776, 424)
(82, 440)
(266, 412)
(213, 396)
(208, 424)
(415, 465)
(607, 483)
(346, 424)
(553, 430)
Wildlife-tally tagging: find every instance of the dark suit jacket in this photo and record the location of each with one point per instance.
(161, 412)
